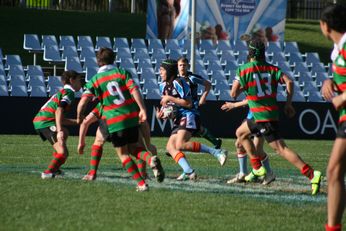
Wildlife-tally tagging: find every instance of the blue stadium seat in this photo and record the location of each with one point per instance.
(87, 52)
(12, 60)
(225, 95)
(240, 46)
(53, 90)
(274, 47)
(320, 77)
(242, 57)
(66, 41)
(174, 53)
(123, 52)
(54, 81)
(52, 54)
(158, 54)
(153, 94)
(69, 51)
(278, 57)
(73, 63)
(172, 44)
(230, 66)
(90, 72)
(3, 90)
(103, 41)
(312, 57)
(19, 90)
(214, 65)
(84, 41)
(284, 66)
(15, 70)
(126, 63)
(298, 97)
(218, 76)
(315, 96)
(304, 76)
(32, 45)
(224, 45)
(38, 91)
(154, 44)
(300, 67)
(317, 67)
(150, 84)
(226, 56)
(221, 85)
(90, 62)
(199, 66)
(17, 80)
(120, 42)
(34, 70)
(240, 97)
(291, 47)
(36, 80)
(141, 53)
(137, 43)
(295, 57)
(281, 96)
(210, 55)
(211, 96)
(205, 45)
(3, 80)
(49, 40)
(147, 74)
(143, 64)
(309, 86)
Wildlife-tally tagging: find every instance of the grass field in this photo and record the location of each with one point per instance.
(111, 202)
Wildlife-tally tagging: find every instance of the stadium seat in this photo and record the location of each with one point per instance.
(153, 94)
(210, 55)
(320, 77)
(317, 67)
(330, 69)
(3, 90)
(54, 81)
(172, 44)
(278, 57)
(90, 72)
(230, 66)
(143, 64)
(312, 57)
(300, 67)
(223, 45)
(147, 74)
(240, 97)
(15, 70)
(137, 43)
(3, 80)
(154, 44)
(90, 62)
(49, 40)
(84, 41)
(221, 85)
(19, 90)
(291, 47)
(295, 57)
(53, 90)
(199, 66)
(12, 60)
(150, 84)
(304, 76)
(158, 54)
(87, 52)
(214, 65)
(218, 76)
(38, 91)
(273, 47)
(225, 95)
(242, 57)
(309, 86)
(32, 45)
(103, 41)
(52, 55)
(66, 41)
(17, 80)
(141, 53)
(206, 45)
(126, 63)
(298, 97)
(34, 70)
(284, 66)
(315, 96)
(281, 96)
(69, 51)
(240, 46)
(73, 63)
(36, 80)
(227, 55)
(123, 52)
(211, 96)
(120, 42)
(174, 53)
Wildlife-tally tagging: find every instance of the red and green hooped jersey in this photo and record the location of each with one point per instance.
(97, 111)
(113, 89)
(259, 81)
(46, 116)
(339, 76)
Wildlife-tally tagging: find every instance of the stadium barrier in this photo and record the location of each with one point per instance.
(312, 120)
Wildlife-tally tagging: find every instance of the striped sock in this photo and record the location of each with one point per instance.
(182, 161)
(142, 154)
(96, 154)
(131, 168)
(198, 147)
(333, 228)
(142, 168)
(242, 160)
(56, 162)
(255, 163)
(307, 171)
(266, 164)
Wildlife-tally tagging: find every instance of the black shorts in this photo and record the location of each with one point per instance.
(190, 122)
(49, 134)
(104, 130)
(269, 130)
(252, 123)
(124, 137)
(341, 132)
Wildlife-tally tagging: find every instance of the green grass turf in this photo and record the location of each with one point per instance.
(111, 202)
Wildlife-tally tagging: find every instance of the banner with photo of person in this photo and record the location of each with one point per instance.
(217, 19)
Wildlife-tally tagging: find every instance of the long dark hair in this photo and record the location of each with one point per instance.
(335, 17)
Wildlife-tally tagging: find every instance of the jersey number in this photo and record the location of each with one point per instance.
(264, 77)
(114, 90)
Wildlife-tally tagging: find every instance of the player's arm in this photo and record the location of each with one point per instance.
(236, 89)
(328, 89)
(289, 110)
(139, 100)
(59, 117)
(83, 129)
(183, 102)
(82, 107)
(229, 105)
(207, 87)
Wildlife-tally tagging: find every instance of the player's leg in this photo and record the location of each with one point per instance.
(270, 176)
(243, 133)
(179, 136)
(206, 134)
(336, 186)
(120, 141)
(96, 154)
(59, 156)
(242, 161)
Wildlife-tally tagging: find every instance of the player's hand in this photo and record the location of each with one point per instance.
(165, 99)
(227, 106)
(80, 119)
(61, 137)
(142, 116)
(80, 148)
(289, 110)
(327, 89)
(159, 113)
(339, 101)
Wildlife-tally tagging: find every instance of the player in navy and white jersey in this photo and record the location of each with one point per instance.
(194, 80)
(176, 91)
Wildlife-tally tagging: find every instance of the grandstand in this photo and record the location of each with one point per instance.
(142, 58)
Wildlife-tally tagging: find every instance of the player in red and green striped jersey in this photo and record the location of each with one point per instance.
(333, 27)
(50, 119)
(123, 109)
(259, 80)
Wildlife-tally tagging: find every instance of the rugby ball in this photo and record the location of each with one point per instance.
(167, 111)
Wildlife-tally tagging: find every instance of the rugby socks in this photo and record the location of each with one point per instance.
(141, 165)
(307, 171)
(242, 160)
(255, 163)
(96, 154)
(131, 168)
(208, 136)
(181, 160)
(266, 163)
(198, 147)
(333, 228)
(58, 160)
(142, 154)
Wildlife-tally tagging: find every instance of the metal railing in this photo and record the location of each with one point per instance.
(306, 9)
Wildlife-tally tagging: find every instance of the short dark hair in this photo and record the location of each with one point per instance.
(105, 56)
(68, 75)
(183, 59)
(335, 17)
(257, 49)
